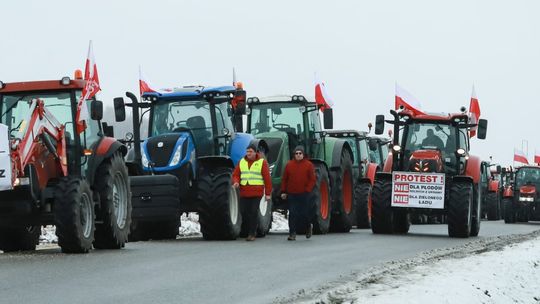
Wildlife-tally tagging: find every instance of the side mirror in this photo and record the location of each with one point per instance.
(239, 102)
(372, 144)
(482, 129)
(119, 109)
(328, 118)
(96, 110)
(503, 170)
(108, 130)
(499, 170)
(379, 124)
(240, 108)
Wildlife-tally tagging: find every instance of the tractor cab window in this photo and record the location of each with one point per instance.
(526, 176)
(364, 154)
(384, 152)
(223, 121)
(185, 116)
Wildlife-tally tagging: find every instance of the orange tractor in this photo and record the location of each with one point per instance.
(52, 175)
(430, 172)
(521, 199)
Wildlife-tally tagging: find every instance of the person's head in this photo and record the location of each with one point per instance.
(251, 152)
(299, 153)
(430, 132)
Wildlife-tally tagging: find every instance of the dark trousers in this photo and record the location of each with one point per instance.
(250, 213)
(299, 211)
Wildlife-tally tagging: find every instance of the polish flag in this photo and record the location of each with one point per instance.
(407, 101)
(90, 89)
(537, 157)
(520, 157)
(322, 99)
(474, 112)
(144, 87)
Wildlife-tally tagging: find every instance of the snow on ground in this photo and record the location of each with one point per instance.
(190, 227)
(508, 274)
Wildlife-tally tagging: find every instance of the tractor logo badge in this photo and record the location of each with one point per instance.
(160, 144)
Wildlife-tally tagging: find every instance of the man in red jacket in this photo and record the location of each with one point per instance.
(296, 186)
(252, 175)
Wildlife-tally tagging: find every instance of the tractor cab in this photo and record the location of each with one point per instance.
(358, 141)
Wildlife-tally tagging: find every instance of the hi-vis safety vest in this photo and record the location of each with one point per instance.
(251, 176)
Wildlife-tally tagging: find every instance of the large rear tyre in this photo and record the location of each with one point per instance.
(493, 206)
(362, 195)
(342, 183)
(509, 212)
(400, 221)
(74, 212)
(114, 216)
(265, 217)
(321, 200)
(477, 209)
(220, 216)
(460, 209)
(19, 239)
(381, 212)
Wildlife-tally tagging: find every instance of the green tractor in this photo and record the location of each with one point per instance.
(287, 121)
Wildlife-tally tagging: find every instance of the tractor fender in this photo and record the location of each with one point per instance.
(238, 146)
(338, 149)
(103, 149)
(388, 163)
(365, 180)
(508, 192)
(319, 161)
(212, 162)
(472, 168)
(462, 178)
(493, 186)
(383, 175)
(372, 169)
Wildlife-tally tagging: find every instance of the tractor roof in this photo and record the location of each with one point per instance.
(434, 116)
(191, 93)
(44, 85)
(299, 99)
(528, 167)
(346, 133)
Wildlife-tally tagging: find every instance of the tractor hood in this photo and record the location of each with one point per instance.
(527, 190)
(166, 151)
(426, 161)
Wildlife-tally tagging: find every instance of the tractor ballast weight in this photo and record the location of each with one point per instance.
(284, 122)
(425, 175)
(53, 170)
(192, 136)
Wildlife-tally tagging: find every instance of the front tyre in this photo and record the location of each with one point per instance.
(321, 200)
(493, 206)
(362, 195)
(343, 195)
(460, 209)
(381, 212)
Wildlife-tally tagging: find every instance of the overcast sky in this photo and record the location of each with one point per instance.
(360, 49)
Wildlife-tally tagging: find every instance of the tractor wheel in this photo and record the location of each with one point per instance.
(493, 206)
(381, 212)
(476, 213)
(220, 215)
(509, 212)
(343, 196)
(265, 217)
(321, 200)
(522, 214)
(400, 221)
(362, 196)
(75, 217)
(460, 209)
(20, 238)
(112, 184)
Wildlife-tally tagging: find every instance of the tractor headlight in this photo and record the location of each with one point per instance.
(144, 159)
(460, 152)
(177, 156)
(396, 148)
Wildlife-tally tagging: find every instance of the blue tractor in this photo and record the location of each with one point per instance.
(194, 141)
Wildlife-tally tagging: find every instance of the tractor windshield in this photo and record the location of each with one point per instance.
(526, 176)
(270, 117)
(15, 111)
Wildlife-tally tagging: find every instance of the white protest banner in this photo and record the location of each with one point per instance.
(418, 190)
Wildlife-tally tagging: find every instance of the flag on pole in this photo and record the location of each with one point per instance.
(407, 101)
(520, 157)
(233, 77)
(90, 89)
(322, 99)
(474, 112)
(144, 87)
(537, 157)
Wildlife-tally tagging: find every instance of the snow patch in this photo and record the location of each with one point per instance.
(189, 225)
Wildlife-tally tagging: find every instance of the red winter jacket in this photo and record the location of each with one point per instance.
(299, 177)
(251, 190)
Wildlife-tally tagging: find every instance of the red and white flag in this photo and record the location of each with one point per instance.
(90, 89)
(322, 99)
(520, 157)
(407, 101)
(536, 157)
(474, 112)
(144, 87)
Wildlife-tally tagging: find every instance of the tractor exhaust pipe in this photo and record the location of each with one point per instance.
(136, 127)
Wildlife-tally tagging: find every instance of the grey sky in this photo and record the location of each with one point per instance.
(434, 49)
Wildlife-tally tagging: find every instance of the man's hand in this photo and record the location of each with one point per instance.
(236, 185)
(267, 197)
(283, 196)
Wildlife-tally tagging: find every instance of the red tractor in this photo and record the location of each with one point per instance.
(430, 171)
(52, 175)
(521, 199)
(492, 207)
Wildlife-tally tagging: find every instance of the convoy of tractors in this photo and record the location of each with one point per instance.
(101, 192)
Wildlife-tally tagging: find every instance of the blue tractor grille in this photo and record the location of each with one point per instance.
(160, 148)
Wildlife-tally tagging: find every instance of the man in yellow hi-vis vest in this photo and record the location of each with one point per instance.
(252, 175)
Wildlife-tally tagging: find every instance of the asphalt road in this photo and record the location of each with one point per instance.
(198, 271)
